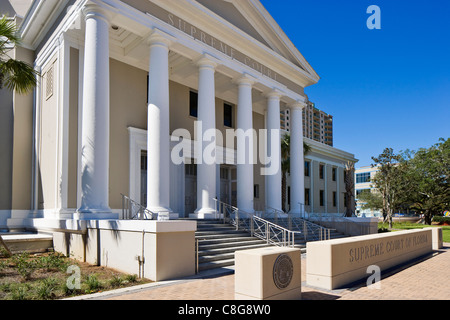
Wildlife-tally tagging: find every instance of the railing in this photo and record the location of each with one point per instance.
(340, 222)
(257, 226)
(272, 233)
(131, 210)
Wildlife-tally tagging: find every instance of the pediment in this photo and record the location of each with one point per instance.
(251, 17)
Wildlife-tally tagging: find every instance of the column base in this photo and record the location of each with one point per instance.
(206, 214)
(164, 213)
(95, 216)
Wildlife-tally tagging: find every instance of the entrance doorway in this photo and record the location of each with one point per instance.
(143, 197)
(190, 189)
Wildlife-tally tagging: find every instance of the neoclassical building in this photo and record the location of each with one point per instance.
(125, 85)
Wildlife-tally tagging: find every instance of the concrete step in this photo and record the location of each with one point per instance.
(218, 242)
(28, 242)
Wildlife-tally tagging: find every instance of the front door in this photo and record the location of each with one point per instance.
(190, 189)
(143, 198)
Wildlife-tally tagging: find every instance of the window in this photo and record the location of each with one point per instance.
(321, 171)
(307, 197)
(321, 198)
(334, 199)
(191, 170)
(363, 177)
(193, 104)
(49, 82)
(256, 191)
(307, 168)
(227, 115)
(345, 200)
(334, 174)
(224, 173)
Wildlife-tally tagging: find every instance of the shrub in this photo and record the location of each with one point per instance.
(19, 292)
(53, 262)
(116, 281)
(24, 265)
(131, 278)
(93, 284)
(441, 219)
(45, 290)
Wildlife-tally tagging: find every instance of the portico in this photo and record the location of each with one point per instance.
(180, 47)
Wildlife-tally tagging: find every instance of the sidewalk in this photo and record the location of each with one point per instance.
(427, 279)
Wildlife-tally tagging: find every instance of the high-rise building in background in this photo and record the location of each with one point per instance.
(317, 125)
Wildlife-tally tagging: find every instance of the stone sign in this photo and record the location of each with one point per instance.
(336, 263)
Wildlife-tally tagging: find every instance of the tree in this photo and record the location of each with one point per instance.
(14, 74)
(286, 164)
(371, 200)
(391, 180)
(428, 173)
(349, 179)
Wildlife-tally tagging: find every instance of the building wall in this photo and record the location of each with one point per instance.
(6, 141)
(48, 136)
(128, 109)
(315, 184)
(23, 141)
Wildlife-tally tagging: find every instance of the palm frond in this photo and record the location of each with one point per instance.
(8, 31)
(17, 75)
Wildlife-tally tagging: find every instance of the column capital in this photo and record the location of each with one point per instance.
(275, 93)
(94, 10)
(207, 61)
(160, 38)
(245, 79)
(299, 104)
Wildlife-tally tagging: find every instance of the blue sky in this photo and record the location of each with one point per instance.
(385, 88)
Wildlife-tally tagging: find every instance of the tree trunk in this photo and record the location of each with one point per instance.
(428, 217)
(283, 191)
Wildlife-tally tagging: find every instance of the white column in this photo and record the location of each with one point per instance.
(245, 145)
(95, 119)
(274, 150)
(158, 130)
(297, 159)
(206, 139)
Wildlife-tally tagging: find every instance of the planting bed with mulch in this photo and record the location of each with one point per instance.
(51, 276)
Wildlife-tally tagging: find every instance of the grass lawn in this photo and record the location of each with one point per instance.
(45, 277)
(411, 225)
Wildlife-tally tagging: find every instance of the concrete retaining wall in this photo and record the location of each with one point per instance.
(156, 250)
(335, 263)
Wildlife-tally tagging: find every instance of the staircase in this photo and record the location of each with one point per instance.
(23, 241)
(217, 242)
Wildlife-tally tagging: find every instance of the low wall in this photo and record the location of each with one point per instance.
(335, 263)
(349, 226)
(156, 250)
(268, 274)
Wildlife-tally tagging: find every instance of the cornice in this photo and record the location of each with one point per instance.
(216, 26)
(326, 150)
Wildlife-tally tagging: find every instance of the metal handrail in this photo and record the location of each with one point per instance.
(131, 210)
(257, 226)
(273, 233)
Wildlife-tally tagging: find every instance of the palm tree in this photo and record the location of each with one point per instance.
(286, 164)
(14, 74)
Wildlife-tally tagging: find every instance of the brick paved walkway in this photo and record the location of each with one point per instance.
(428, 279)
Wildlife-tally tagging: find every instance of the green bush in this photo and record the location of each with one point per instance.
(441, 219)
(45, 289)
(24, 265)
(116, 281)
(53, 262)
(92, 283)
